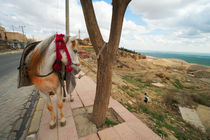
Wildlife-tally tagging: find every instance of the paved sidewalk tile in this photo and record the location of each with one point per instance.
(76, 103)
(142, 130)
(90, 137)
(68, 132)
(45, 133)
(109, 134)
(125, 132)
(66, 109)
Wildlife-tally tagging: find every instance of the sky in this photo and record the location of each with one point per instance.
(149, 25)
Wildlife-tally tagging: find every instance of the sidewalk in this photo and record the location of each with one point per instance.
(84, 94)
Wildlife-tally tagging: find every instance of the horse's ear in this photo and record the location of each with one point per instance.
(73, 43)
(72, 38)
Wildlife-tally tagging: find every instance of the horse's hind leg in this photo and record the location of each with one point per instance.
(60, 105)
(50, 108)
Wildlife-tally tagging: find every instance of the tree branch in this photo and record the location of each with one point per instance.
(92, 25)
(118, 12)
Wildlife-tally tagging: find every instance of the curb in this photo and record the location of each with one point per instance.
(21, 127)
(35, 121)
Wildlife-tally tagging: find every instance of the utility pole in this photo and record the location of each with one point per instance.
(67, 17)
(22, 28)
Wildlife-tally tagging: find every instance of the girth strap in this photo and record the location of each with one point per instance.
(45, 75)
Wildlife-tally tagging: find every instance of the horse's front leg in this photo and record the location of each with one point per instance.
(60, 106)
(50, 108)
(71, 96)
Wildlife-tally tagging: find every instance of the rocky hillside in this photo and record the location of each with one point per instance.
(170, 84)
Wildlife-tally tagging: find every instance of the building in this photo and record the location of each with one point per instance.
(2, 32)
(14, 39)
(16, 36)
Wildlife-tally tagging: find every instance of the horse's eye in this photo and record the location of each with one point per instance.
(75, 51)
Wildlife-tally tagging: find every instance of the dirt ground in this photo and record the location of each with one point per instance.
(204, 114)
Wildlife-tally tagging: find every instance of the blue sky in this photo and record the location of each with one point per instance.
(163, 25)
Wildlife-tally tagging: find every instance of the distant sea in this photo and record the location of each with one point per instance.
(199, 58)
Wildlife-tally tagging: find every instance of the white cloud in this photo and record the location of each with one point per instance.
(186, 22)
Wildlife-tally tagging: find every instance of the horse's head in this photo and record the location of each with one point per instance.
(71, 45)
(73, 51)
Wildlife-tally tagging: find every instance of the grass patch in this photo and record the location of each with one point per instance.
(158, 117)
(119, 87)
(131, 108)
(147, 83)
(159, 91)
(127, 90)
(109, 122)
(131, 95)
(144, 108)
(129, 79)
(159, 131)
(169, 127)
(177, 84)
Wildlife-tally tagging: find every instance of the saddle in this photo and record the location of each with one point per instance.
(23, 78)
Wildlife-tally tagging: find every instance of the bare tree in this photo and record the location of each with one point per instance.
(107, 57)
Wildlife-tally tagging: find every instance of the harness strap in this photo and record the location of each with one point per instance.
(44, 75)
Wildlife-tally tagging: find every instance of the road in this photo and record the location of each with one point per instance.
(13, 101)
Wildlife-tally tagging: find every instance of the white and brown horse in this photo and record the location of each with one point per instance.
(38, 66)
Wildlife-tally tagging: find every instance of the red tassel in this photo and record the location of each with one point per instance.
(57, 66)
(59, 56)
(69, 69)
(60, 45)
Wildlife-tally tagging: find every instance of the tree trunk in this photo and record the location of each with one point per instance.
(103, 90)
(106, 59)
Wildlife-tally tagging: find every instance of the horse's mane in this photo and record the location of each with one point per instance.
(44, 45)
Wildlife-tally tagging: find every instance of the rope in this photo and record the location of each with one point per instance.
(97, 56)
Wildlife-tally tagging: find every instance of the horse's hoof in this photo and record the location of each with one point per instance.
(63, 121)
(71, 98)
(52, 124)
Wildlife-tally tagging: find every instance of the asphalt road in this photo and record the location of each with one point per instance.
(13, 101)
(9, 63)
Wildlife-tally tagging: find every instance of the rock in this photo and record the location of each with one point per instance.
(191, 116)
(159, 85)
(130, 102)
